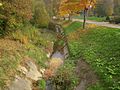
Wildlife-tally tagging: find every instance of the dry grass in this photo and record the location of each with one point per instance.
(54, 64)
(91, 26)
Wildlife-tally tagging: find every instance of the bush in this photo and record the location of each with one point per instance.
(42, 84)
(13, 13)
(115, 19)
(107, 18)
(52, 26)
(2, 27)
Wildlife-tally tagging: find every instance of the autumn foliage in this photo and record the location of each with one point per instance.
(14, 12)
(73, 6)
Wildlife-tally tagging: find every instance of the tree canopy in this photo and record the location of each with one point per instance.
(72, 6)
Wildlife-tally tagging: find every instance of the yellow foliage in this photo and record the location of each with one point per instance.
(72, 6)
(74, 36)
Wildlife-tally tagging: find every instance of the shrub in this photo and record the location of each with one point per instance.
(115, 19)
(107, 18)
(2, 27)
(42, 84)
(52, 26)
(14, 13)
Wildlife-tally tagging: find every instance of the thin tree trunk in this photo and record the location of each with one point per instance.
(84, 22)
(69, 17)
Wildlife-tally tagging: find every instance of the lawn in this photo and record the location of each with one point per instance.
(100, 47)
(99, 19)
(73, 27)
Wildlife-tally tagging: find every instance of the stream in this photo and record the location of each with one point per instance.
(59, 55)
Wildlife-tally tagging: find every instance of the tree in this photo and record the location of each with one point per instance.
(49, 6)
(117, 7)
(52, 7)
(99, 9)
(72, 6)
(41, 16)
(13, 13)
(109, 7)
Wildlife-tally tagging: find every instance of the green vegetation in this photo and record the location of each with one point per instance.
(95, 87)
(29, 42)
(12, 17)
(24, 35)
(99, 46)
(99, 19)
(20, 39)
(42, 84)
(72, 27)
(66, 78)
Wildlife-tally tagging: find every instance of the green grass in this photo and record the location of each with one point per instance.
(73, 27)
(100, 47)
(99, 19)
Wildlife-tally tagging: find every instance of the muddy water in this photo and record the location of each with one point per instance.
(57, 54)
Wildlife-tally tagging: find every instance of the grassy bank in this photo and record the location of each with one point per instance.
(100, 47)
(72, 27)
(28, 42)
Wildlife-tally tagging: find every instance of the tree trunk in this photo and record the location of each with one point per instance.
(69, 17)
(84, 22)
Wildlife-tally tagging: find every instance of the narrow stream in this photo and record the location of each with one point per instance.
(57, 54)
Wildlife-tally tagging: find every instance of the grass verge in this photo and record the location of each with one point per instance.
(98, 19)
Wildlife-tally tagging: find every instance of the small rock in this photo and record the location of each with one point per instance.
(33, 72)
(48, 55)
(42, 71)
(22, 69)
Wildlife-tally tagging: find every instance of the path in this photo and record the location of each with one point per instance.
(87, 75)
(106, 24)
